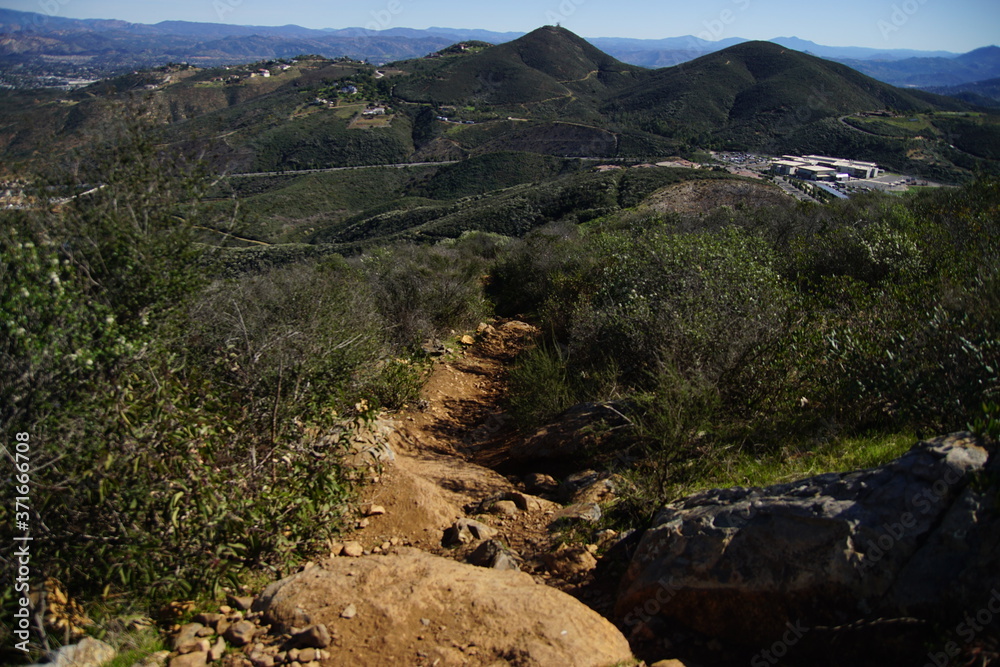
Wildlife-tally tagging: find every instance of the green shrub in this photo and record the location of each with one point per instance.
(707, 303)
(540, 386)
(804, 324)
(181, 432)
(425, 291)
(538, 270)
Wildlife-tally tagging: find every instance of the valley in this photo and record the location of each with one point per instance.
(548, 93)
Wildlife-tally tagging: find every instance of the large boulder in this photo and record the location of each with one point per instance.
(916, 538)
(415, 607)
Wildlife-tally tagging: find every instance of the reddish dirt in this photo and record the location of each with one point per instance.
(435, 479)
(413, 608)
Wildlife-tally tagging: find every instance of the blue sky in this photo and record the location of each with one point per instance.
(952, 25)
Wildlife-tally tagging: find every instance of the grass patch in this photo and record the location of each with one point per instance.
(134, 646)
(724, 468)
(800, 461)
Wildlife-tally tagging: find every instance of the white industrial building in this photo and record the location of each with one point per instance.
(823, 168)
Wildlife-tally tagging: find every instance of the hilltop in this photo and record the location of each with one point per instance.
(549, 64)
(35, 47)
(928, 72)
(759, 95)
(548, 92)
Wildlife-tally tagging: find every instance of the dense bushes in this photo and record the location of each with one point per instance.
(423, 292)
(772, 327)
(322, 140)
(183, 427)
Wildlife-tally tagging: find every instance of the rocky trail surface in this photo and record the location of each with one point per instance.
(451, 563)
(438, 477)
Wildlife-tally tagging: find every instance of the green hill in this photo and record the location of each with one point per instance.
(547, 64)
(755, 93)
(549, 92)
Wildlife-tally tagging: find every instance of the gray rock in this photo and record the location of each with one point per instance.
(185, 634)
(467, 530)
(528, 503)
(240, 633)
(198, 645)
(241, 603)
(599, 491)
(578, 481)
(306, 655)
(493, 554)
(540, 483)
(261, 660)
(912, 538)
(567, 561)
(504, 508)
(354, 550)
(434, 348)
(218, 650)
(89, 652)
(350, 611)
(210, 620)
(584, 512)
(315, 636)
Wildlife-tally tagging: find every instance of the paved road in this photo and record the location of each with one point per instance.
(299, 172)
(406, 165)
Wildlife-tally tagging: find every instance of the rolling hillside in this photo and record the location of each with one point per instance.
(547, 64)
(755, 93)
(549, 92)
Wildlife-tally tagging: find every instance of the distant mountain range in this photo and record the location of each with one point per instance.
(549, 92)
(983, 93)
(979, 65)
(42, 43)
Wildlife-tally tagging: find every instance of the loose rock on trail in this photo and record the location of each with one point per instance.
(401, 589)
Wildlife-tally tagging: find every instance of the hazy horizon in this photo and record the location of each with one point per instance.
(959, 26)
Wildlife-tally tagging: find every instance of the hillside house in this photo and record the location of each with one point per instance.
(376, 111)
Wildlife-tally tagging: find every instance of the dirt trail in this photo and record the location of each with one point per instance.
(395, 601)
(434, 479)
